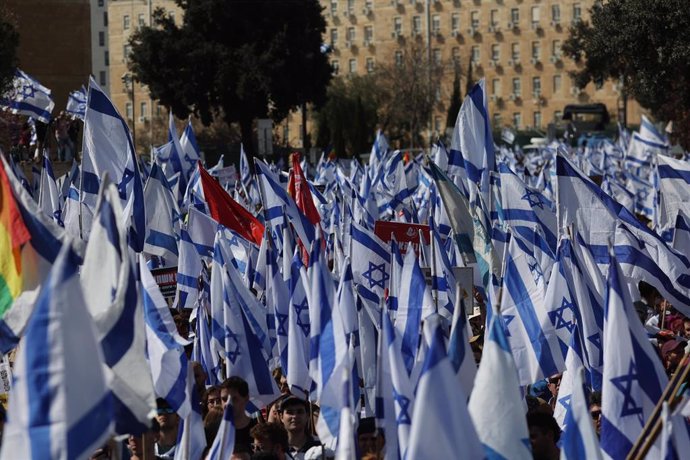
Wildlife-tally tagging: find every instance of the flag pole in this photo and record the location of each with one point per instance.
(652, 428)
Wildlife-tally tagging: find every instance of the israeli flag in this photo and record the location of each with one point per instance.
(459, 349)
(49, 196)
(371, 263)
(224, 442)
(61, 407)
(496, 404)
(298, 328)
(109, 150)
(579, 439)
(163, 218)
(164, 346)
(447, 418)
(190, 150)
(112, 298)
(195, 245)
(681, 234)
(76, 103)
(191, 438)
(574, 360)
(634, 377)
(674, 194)
(28, 97)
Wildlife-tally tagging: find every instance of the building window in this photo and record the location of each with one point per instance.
(334, 7)
(475, 54)
(125, 22)
(334, 37)
(416, 25)
(369, 4)
(474, 20)
(517, 120)
(128, 110)
(105, 19)
(515, 52)
(556, 48)
(398, 58)
(494, 18)
(515, 16)
(368, 33)
(353, 66)
(517, 87)
(536, 118)
(436, 24)
(436, 56)
(106, 58)
(141, 21)
(535, 16)
(556, 14)
(336, 67)
(557, 84)
(125, 52)
(143, 110)
(351, 34)
(536, 50)
(100, 2)
(497, 121)
(397, 25)
(456, 55)
(455, 22)
(495, 52)
(577, 12)
(496, 87)
(101, 78)
(351, 6)
(536, 86)
(370, 64)
(158, 109)
(101, 38)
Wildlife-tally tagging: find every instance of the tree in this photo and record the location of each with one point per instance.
(348, 119)
(238, 60)
(9, 41)
(455, 101)
(644, 44)
(408, 93)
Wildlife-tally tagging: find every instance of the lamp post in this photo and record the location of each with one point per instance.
(128, 81)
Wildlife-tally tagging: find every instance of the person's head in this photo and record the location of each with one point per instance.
(212, 397)
(686, 328)
(595, 410)
(367, 436)
(241, 452)
(555, 384)
(236, 391)
(544, 434)
(672, 352)
(166, 416)
(294, 414)
(272, 410)
(281, 380)
(199, 375)
(270, 437)
(212, 423)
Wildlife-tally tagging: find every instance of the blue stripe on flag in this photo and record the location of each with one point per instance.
(89, 427)
(162, 240)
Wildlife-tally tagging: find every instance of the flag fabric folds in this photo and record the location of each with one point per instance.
(28, 97)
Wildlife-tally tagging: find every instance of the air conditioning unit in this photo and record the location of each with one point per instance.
(555, 58)
(416, 33)
(334, 14)
(471, 31)
(512, 25)
(366, 11)
(143, 119)
(455, 33)
(575, 91)
(437, 32)
(493, 98)
(395, 34)
(534, 61)
(395, 2)
(494, 63)
(555, 23)
(513, 62)
(366, 43)
(348, 44)
(535, 26)
(493, 29)
(514, 97)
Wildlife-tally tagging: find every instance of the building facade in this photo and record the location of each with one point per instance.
(514, 44)
(100, 53)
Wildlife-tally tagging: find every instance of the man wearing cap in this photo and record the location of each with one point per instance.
(294, 414)
(168, 422)
(671, 353)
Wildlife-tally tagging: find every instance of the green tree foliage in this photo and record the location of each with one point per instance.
(348, 119)
(9, 41)
(644, 44)
(234, 59)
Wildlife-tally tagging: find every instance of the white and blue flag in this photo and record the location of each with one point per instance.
(28, 97)
(579, 439)
(76, 103)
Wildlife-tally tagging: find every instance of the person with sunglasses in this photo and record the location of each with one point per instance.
(168, 422)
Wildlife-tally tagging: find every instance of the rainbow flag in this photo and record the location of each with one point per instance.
(13, 234)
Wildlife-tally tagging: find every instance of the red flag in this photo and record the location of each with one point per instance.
(229, 212)
(299, 189)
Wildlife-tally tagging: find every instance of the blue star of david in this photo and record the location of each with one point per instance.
(369, 275)
(28, 91)
(282, 319)
(127, 176)
(404, 404)
(624, 384)
(234, 241)
(533, 198)
(595, 339)
(536, 271)
(299, 308)
(57, 215)
(232, 354)
(557, 318)
(565, 402)
(507, 319)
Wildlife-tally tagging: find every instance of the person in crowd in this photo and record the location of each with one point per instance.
(544, 434)
(294, 414)
(272, 413)
(281, 380)
(685, 331)
(211, 400)
(168, 422)
(212, 422)
(65, 146)
(271, 437)
(236, 391)
(199, 375)
(595, 410)
(554, 384)
(672, 352)
(369, 441)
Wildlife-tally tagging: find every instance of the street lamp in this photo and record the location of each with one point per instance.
(128, 81)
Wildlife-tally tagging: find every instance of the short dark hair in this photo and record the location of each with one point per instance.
(238, 384)
(273, 432)
(595, 398)
(544, 422)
